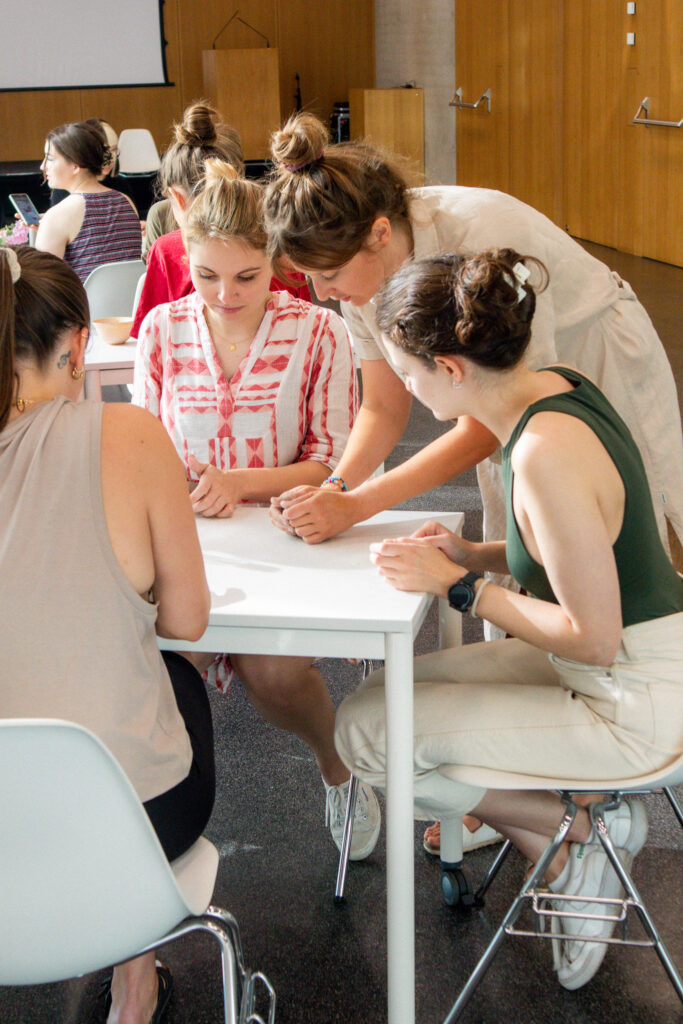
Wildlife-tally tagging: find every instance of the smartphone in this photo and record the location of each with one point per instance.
(25, 208)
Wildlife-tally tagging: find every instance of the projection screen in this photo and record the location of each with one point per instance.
(68, 45)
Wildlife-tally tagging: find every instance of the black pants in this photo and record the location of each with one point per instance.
(179, 815)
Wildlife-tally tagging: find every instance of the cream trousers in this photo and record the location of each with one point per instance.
(509, 706)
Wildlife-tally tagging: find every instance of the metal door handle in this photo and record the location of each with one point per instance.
(647, 120)
(458, 102)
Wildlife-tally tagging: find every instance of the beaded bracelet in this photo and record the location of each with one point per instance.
(473, 609)
(335, 480)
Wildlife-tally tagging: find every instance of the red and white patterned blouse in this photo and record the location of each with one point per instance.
(293, 397)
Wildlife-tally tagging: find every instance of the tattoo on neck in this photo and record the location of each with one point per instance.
(63, 359)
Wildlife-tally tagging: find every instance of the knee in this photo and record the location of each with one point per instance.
(359, 732)
(275, 680)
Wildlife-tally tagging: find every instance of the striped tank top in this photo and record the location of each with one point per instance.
(110, 232)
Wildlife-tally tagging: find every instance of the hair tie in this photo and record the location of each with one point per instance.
(13, 263)
(306, 163)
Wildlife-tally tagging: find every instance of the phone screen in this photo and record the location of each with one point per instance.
(25, 208)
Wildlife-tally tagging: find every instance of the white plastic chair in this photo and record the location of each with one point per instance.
(533, 894)
(138, 153)
(85, 883)
(111, 288)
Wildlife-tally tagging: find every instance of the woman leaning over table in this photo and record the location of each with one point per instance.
(343, 215)
(94, 224)
(591, 687)
(258, 392)
(98, 554)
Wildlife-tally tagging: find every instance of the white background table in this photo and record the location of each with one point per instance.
(273, 594)
(107, 364)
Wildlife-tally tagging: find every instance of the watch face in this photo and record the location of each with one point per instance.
(461, 596)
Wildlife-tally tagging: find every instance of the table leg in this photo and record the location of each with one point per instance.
(400, 829)
(92, 385)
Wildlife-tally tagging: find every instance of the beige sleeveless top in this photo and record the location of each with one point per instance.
(76, 641)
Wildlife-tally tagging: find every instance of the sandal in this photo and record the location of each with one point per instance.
(165, 983)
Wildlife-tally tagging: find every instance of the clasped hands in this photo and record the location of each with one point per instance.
(313, 513)
(216, 493)
(429, 561)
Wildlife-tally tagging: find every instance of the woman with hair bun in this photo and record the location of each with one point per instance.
(590, 686)
(258, 392)
(99, 555)
(94, 224)
(200, 136)
(343, 215)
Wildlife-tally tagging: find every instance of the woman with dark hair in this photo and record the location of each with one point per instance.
(98, 555)
(94, 224)
(590, 686)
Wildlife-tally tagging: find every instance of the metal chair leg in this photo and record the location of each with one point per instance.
(597, 817)
(512, 915)
(346, 840)
(674, 803)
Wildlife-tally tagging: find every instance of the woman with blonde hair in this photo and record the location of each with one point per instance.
(98, 555)
(200, 136)
(258, 392)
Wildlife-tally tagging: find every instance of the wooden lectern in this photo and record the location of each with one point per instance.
(245, 87)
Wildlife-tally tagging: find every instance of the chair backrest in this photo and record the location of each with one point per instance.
(84, 882)
(138, 292)
(111, 288)
(138, 153)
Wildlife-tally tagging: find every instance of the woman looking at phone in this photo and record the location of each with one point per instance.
(590, 687)
(94, 224)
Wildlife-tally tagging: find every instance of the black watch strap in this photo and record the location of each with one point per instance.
(461, 593)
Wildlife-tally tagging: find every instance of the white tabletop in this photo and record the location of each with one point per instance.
(99, 355)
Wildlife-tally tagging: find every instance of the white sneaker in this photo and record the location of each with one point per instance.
(589, 873)
(366, 820)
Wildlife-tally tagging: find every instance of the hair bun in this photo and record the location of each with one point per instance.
(216, 170)
(198, 126)
(300, 142)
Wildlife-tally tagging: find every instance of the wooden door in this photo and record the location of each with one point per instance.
(659, 77)
(482, 62)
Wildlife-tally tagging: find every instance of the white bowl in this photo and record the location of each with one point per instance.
(114, 329)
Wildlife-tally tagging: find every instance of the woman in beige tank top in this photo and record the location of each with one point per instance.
(98, 495)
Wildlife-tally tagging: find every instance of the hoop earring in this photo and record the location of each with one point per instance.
(78, 374)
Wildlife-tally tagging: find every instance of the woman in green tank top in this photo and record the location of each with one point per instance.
(590, 686)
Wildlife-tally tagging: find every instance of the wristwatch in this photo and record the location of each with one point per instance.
(461, 593)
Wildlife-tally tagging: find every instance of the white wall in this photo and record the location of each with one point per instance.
(415, 42)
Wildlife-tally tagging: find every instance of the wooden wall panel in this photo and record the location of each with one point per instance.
(332, 47)
(26, 117)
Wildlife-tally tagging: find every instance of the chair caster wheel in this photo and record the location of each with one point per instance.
(455, 888)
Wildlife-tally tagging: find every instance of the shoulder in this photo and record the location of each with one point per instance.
(135, 434)
(550, 447)
(68, 208)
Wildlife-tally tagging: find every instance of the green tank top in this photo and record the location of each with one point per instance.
(650, 587)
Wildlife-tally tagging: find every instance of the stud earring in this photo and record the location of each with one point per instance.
(78, 374)
(456, 383)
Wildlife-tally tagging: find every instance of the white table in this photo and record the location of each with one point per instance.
(107, 364)
(273, 594)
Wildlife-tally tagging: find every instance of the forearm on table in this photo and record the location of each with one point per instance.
(263, 484)
(445, 458)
